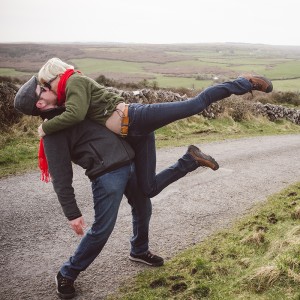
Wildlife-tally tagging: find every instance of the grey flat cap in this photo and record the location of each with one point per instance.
(26, 98)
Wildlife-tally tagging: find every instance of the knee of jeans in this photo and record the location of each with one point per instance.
(99, 232)
(149, 190)
(141, 215)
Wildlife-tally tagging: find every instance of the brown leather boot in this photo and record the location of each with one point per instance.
(260, 83)
(202, 159)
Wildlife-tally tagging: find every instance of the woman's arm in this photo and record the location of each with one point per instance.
(78, 98)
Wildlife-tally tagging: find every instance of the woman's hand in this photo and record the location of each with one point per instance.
(41, 131)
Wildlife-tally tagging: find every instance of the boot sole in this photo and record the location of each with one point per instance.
(145, 262)
(203, 159)
(210, 163)
(270, 85)
(63, 296)
(269, 88)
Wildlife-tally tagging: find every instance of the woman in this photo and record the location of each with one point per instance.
(83, 97)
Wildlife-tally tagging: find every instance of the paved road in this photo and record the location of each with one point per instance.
(35, 238)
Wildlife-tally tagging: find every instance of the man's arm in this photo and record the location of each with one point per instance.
(60, 167)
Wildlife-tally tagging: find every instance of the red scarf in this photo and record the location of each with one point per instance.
(43, 164)
(61, 87)
(61, 99)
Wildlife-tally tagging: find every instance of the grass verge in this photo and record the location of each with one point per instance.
(19, 147)
(197, 129)
(257, 258)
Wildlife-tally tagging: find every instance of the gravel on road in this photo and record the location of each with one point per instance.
(35, 238)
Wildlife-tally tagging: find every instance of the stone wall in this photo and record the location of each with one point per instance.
(275, 112)
(272, 112)
(148, 96)
(9, 116)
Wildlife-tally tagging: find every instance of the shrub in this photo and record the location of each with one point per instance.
(10, 79)
(287, 97)
(238, 109)
(101, 79)
(8, 114)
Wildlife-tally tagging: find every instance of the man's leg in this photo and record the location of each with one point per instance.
(141, 209)
(108, 191)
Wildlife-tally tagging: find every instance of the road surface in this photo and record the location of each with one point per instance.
(35, 238)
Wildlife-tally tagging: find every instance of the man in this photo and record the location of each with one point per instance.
(108, 163)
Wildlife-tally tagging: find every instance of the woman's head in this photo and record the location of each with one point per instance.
(52, 68)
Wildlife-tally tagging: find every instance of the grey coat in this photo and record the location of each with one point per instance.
(89, 145)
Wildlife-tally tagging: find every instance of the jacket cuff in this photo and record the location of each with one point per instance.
(74, 217)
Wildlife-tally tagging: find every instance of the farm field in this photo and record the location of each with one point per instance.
(177, 65)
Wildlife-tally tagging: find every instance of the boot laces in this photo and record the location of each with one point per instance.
(149, 254)
(256, 85)
(66, 282)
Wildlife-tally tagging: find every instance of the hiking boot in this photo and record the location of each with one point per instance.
(202, 159)
(260, 83)
(148, 258)
(65, 287)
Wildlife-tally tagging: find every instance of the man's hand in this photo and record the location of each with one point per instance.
(78, 225)
(41, 131)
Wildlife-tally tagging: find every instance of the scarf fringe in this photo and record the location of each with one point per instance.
(43, 164)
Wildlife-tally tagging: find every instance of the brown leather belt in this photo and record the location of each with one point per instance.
(125, 122)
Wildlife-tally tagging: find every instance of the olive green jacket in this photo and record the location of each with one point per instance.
(85, 98)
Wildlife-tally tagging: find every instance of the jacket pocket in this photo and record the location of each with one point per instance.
(97, 154)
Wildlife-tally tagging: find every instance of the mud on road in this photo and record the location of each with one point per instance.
(35, 238)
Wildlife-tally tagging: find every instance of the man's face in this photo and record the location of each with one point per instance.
(47, 99)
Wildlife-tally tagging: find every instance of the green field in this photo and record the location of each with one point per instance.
(185, 65)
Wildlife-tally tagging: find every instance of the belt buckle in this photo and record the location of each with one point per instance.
(125, 122)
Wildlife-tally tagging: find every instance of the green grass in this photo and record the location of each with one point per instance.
(18, 148)
(287, 85)
(257, 258)
(89, 65)
(11, 72)
(197, 129)
(18, 155)
(175, 82)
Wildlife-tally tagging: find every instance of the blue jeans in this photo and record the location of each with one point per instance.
(108, 191)
(144, 119)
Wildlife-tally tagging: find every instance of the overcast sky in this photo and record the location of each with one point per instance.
(152, 21)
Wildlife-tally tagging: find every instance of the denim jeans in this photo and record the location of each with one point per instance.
(144, 119)
(108, 191)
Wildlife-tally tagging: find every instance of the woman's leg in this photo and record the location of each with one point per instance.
(145, 118)
(145, 164)
(141, 209)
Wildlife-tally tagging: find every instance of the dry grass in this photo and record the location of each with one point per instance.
(263, 278)
(256, 238)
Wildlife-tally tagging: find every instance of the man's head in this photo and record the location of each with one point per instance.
(33, 99)
(26, 98)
